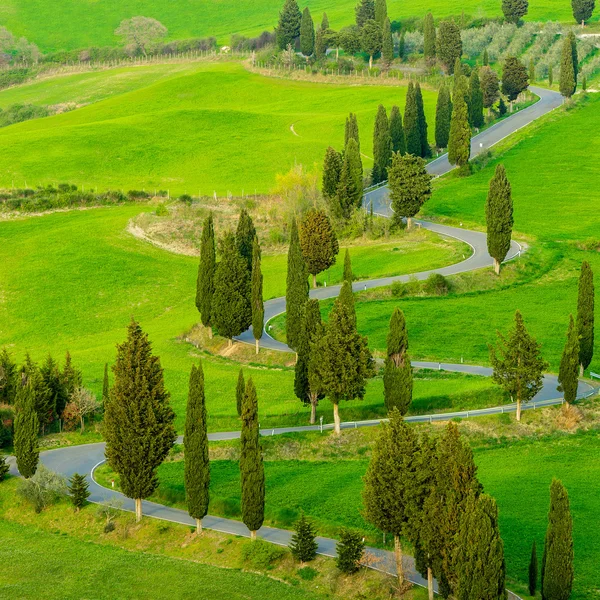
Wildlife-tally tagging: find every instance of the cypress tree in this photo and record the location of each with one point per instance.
(296, 288)
(258, 307)
(288, 29)
(397, 131)
(54, 391)
(195, 441)
(443, 114)
(402, 46)
(518, 364)
(231, 308)
(365, 11)
(347, 191)
(78, 491)
(371, 40)
(307, 34)
(351, 130)
(490, 87)
(318, 242)
(425, 149)
(105, 387)
(138, 422)
(244, 237)
(585, 316)
(412, 133)
(240, 390)
(26, 427)
(550, 76)
(71, 376)
(582, 10)
(304, 544)
(557, 565)
(382, 146)
(569, 364)
(252, 470)
(381, 13)
(533, 571)
(499, 217)
(352, 156)
(387, 43)
(514, 10)
(568, 75)
(321, 44)
(43, 400)
(459, 139)
(429, 38)
(8, 378)
(476, 100)
(205, 286)
(448, 45)
(4, 468)
(332, 169)
(348, 275)
(397, 374)
(325, 22)
(485, 61)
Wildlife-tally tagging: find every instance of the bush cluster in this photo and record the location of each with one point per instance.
(261, 555)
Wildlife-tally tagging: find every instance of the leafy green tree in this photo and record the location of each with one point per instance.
(397, 373)
(533, 571)
(514, 10)
(244, 237)
(304, 544)
(138, 422)
(382, 145)
(307, 33)
(585, 316)
(288, 28)
(514, 78)
(429, 38)
(332, 169)
(351, 130)
(26, 427)
(557, 564)
(240, 390)
(412, 132)
(296, 288)
(381, 13)
(371, 39)
(448, 45)
(425, 149)
(459, 139)
(348, 275)
(348, 40)
(195, 441)
(8, 378)
(490, 87)
(105, 387)
(387, 42)
(397, 131)
(443, 115)
(499, 217)
(410, 186)
(518, 364)
(365, 11)
(568, 75)
(205, 286)
(352, 156)
(258, 307)
(569, 364)
(252, 469)
(582, 10)
(78, 491)
(350, 550)
(318, 242)
(476, 100)
(141, 32)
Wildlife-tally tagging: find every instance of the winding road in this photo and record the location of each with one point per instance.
(85, 459)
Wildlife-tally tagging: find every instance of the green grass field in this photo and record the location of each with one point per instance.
(90, 23)
(205, 128)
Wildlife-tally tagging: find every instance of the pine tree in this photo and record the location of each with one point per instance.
(448, 45)
(459, 139)
(205, 286)
(397, 131)
(304, 544)
(258, 307)
(195, 442)
(351, 130)
(244, 237)
(352, 156)
(325, 22)
(514, 78)
(371, 39)
(252, 470)
(387, 42)
(490, 87)
(480, 552)
(288, 28)
(348, 275)
(499, 217)
(8, 378)
(26, 427)
(4, 468)
(138, 422)
(568, 76)
(296, 288)
(582, 10)
(476, 100)
(425, 149)
(569, 365)
(412, 132)
(397, 373)
(514, 10)
(307, 34)
(585, 316)
(443, 114)
(78, 491)
(518, 364)
(533, 571)
(240, 390)
(318, 242)
(557, 565)
(349, 549)
(332, 169)
(105, 387)
(365, 11)
(410, 186)
(429, 38)
(381, 13)
(382, 146)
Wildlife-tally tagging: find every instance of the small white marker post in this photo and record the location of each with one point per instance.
(321, 421)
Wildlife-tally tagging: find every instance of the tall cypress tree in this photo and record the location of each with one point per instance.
(105, 387)
(365, 11)
(8, 378)
(195, 441)
(425, 149)
(567, 81)
(429, 38)
(397, 131)
(382, 146)
(387, 42)
(569, 364)
(240, 390)
(296, 288)
(205, 286)
(443, 114)
(448, 45)
(533, 571)
(585, 316)
(557, 565)
(348, 275)
(397, 373)
(26, 428)
(381, 13)
(288, 28)
(459, 140)
(347, 192)
(352, 156)
(351, 130)
(307, 34)
(332, 169)
(499, 217)
(582, 10)
(514, 9)
(412, 133)
(476, 100)
(138, 422)
(244, 237)
(258, 307)
(325, 22)
(43, 400)
(252, 470)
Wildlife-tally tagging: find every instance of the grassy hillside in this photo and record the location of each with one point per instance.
(208, 127)
(84, 23)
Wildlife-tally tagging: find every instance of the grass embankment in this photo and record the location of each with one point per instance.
(208, 127)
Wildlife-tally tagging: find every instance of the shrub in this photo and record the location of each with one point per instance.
(436, 285)
(304, 544)
(186, 199)
(44, 488)
(349, 549)
(398, 289)
(161, 210)
(7, 416)
(307, 573)
(261, 555)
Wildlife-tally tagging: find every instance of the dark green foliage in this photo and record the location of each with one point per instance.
(78, 490)
(557, 565)
(251, 463)
(105, 387)
(296, 288)
(350, 549)
(71, 376)
(382, 146)
(533, 571)
(381, 13)
(332, 169)
(584, 83)
(258, 308)
(26, 427)
(138, 421)
(352, 156)
(195, 441)
(311, 322)
(499, 216)
(569, 364)
(351, 130)
(56, 397)
(205, 286)
(412, 132)
(409, 184)
(321, 44)
(371, 39)
(490, 87)
(244, 237)
(8, 378)
(387, 43)
(304, 545)
(476, 100)
(582, 9)
(485, 61)
(397, 131)
(585, 315)
(43, 400)
(531, 71)
(365, 11)
(348, 275)
(459, 139)
(402, 46)
(425, 149)
(4, 468)
(550, 76)
(397, 373)
(347, 192)
(514, 78)
(325, 22)
(568, 74)
(443, 115)
(349, 40)
(436, 285)
(514, 10)
(448, 45)
(240, 390)
(288, 28)
(307, 34)
(429, 37)
(231, 310)
(480, 552)
(318, 242)
(502, 107)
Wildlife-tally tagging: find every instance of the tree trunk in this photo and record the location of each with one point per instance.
(229, 343)
(198, 526)
(371, 61)
(496, 266)
(408, 222)
(210, 333)
(82, 423)
(315, 282)
(138, 510)
(430, 582)
(253, 536)
(518, 409)
(581, 369)
(257, 345)
(313, 411)
(336, 419)
(398, 556)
